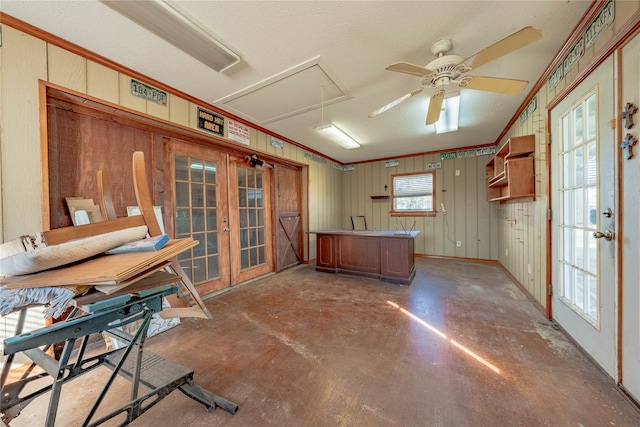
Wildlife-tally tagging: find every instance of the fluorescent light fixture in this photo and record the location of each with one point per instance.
(337, 136)
(448, 121)
(167, 23)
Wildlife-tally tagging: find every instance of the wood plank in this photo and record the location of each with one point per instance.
(143, 195)
(107, 269)
(61, 235)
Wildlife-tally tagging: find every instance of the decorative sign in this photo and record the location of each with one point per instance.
(392, 163)
(485, 151)
(574, 55)
(434, 165)
(344, 168)
(555, 77)
(529, 110)
(238, 132)
(465, 153)
(315, 157)
(210, 122)
(599, 24)
(277, 143)
(147, 92)
(448, 156)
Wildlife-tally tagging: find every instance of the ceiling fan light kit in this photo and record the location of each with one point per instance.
(449, 113)
(450, 69)
(338, 136)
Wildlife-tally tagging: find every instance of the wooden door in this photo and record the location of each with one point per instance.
(250, 220)
(288, 200)
(196, 190)
(584, 192)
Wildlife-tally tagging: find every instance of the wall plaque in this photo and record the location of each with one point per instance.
(210, 122)
(147, 92)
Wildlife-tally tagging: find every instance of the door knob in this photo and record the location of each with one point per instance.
(608, 234)
(225, 229)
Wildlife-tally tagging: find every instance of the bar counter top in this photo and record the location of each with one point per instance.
(372, 233)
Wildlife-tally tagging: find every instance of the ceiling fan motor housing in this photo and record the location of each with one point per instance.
(444, 71)
(447, 69)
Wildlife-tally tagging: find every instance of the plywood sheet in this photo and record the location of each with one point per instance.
(103, 270)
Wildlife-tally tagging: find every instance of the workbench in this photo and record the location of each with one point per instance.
(96, 313)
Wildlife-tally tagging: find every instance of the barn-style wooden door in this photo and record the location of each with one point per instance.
(289, 227)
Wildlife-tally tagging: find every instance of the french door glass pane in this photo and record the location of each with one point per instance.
(578, 254)
(251, 217)
(196, 216)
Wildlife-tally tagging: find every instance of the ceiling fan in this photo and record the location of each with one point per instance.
(451, 69)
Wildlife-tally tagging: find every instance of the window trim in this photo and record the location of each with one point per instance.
(431, 212)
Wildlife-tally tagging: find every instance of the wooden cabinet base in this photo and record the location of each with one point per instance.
(383, 255)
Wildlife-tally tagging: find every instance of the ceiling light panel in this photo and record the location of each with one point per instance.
(167, 23)
(338, 136)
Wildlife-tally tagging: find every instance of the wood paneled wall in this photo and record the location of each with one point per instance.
(26, 60)
(522, 226)
(469, 218)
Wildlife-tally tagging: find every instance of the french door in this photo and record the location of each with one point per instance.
(250, 220)
(584, 251)
(224, 204)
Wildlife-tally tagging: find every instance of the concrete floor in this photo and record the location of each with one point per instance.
(461, 346)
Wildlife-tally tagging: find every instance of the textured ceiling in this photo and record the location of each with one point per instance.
(353, 41)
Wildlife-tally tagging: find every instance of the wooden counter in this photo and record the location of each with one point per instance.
(384, 255)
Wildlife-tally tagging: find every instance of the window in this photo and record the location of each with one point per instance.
(413, 194)
(578, 203)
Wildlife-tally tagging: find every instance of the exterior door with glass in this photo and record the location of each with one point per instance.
(584, 244)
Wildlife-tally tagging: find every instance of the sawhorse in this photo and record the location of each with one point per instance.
(131, 362)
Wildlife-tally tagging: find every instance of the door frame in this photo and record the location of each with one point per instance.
(622, 36)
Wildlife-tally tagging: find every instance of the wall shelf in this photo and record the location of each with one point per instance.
(510, 172)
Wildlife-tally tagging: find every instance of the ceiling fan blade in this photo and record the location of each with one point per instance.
(507, 45)
(435, 107)
(493, 84)
(408, 68)
(396, 102)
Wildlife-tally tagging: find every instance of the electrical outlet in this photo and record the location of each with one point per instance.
(457, 172)
(506, 252)
(529, 269)
(458, 243)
